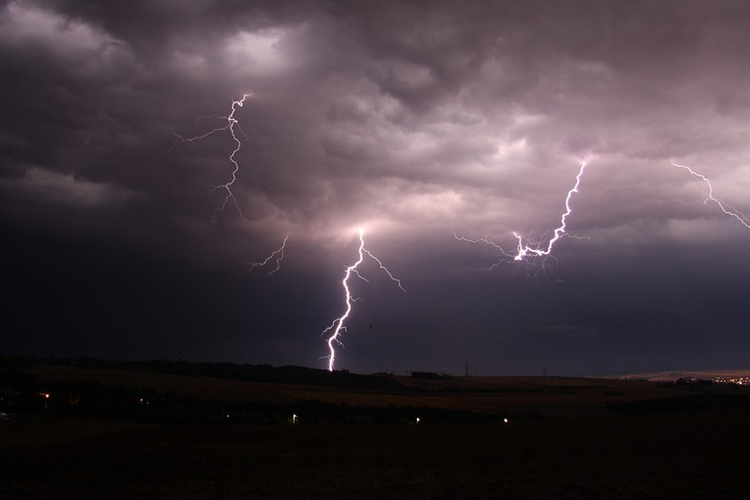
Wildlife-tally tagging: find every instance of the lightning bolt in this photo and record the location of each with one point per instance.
(338, 325)
(524, 250)
(529, 248)
(232, 125)
(708, 191)
(279, 256)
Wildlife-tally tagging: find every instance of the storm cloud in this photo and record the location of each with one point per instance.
(413, 120)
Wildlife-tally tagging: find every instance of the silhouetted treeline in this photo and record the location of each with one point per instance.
(431, 376)
(13, 372)
(23, 394)
(245, 372)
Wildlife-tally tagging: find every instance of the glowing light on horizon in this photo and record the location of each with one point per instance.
(338, 325)
(708, 191)
(528, 248)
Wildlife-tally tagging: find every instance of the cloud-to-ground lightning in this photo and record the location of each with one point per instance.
(232, 125)
(528, 248)
(277, 255)
(708, 191)
(338, 325)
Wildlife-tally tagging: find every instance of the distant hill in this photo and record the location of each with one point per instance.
(232, 371)
(181, 391)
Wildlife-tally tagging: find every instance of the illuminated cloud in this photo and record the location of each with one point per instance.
(255, 52)
(415, 120)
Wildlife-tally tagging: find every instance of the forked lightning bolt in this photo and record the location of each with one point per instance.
(525, 250)
(708, 190)
(528, 248)
(231, 126)
(277, 256)
(338, 326)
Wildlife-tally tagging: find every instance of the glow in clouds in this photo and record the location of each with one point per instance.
(338, 326)
(531, 248)
(708, 190)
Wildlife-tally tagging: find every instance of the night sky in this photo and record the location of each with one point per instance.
(414, 121)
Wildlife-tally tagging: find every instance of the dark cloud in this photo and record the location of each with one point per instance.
(414, 120)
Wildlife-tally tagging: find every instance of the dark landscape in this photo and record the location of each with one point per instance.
(201, 200)
(99, 429)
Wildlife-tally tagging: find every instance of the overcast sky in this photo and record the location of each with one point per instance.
(415, 121)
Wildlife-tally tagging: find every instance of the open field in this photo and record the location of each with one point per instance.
(685, 456)
(551, 396)
(573, 447)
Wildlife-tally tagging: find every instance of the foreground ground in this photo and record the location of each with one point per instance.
(81, 433)
(686, 455)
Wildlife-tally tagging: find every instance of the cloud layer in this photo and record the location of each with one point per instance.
(416, 121)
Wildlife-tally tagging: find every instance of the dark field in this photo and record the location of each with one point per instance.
(687, 455)
(550, 396)
(564, 440)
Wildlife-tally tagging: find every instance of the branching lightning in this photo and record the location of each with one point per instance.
(232, 126)
(529, 248)
(277, 256)
(525, 250)
(338, 325)
(708, 191)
